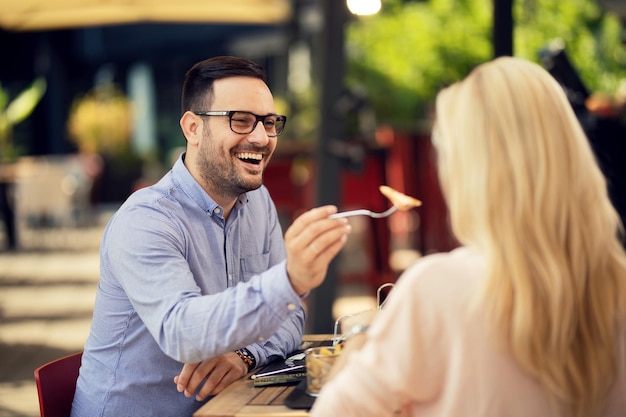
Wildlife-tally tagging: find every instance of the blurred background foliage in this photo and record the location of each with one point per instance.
(593, 39)
(14, 110)
(402, 56)
(100, 121)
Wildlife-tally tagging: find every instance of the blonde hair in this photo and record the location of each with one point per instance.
(522, 185)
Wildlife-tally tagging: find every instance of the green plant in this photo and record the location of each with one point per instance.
(592, 38)
(100, 121)
(15, 111)
(404, 55)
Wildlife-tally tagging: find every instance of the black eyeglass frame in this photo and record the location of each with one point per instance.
(258, 118)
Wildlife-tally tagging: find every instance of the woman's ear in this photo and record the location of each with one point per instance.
(191, 126)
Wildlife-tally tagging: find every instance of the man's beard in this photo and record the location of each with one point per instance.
(218, 169)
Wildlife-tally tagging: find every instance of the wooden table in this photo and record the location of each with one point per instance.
(243, 399)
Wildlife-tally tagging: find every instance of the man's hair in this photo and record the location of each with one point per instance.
(198, 85)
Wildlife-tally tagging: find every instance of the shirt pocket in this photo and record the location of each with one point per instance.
(254, 264)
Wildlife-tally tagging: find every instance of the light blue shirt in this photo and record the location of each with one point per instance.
(179, 284)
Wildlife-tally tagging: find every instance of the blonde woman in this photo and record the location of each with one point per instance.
(527, 318)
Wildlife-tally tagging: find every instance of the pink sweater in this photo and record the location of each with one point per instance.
(426, 355)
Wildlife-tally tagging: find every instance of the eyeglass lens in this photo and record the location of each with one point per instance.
(244, 123)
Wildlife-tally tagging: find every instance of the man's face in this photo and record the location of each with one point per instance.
(232, 163)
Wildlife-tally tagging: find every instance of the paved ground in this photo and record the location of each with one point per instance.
(46, 298)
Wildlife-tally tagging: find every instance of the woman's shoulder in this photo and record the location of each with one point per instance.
(459, 262)
(446, 273)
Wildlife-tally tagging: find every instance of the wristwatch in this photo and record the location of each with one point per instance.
(247, 357)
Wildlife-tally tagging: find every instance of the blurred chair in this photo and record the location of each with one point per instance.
(56, 383)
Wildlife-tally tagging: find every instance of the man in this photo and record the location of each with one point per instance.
(194, 269)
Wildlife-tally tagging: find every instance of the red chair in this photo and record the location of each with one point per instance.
(56, 383)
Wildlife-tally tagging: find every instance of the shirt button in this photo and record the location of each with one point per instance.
(261, 338)
(291, 306)
(217, 210)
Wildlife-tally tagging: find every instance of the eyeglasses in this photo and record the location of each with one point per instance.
(244, 122)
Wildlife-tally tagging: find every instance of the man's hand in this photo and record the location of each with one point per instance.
(312, 241)
(220, 372)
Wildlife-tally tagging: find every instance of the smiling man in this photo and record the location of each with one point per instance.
(197, 285)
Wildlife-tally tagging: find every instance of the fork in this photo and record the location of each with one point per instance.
(364, 212)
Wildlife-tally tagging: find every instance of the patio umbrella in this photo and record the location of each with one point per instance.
(24, 15)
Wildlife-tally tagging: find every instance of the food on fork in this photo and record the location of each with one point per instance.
(402, 201)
